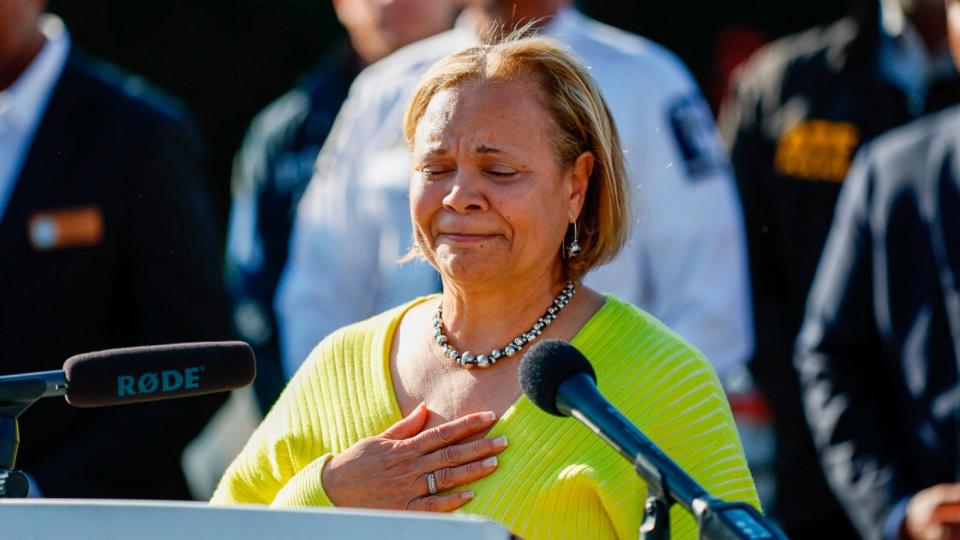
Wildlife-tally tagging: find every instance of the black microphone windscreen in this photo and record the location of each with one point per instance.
(546, 366)
(137, 374)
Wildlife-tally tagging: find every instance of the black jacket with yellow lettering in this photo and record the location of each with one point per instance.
(796, 114)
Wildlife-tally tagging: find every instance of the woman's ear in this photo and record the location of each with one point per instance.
(579, 182)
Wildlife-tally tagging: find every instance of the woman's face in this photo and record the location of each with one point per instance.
(489, 200)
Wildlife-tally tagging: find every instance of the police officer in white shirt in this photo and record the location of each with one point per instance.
(685, 264)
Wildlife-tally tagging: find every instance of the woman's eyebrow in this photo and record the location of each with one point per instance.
(436, 150)
(443, 151)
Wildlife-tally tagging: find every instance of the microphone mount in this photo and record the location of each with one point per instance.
(17, 394)
(117, 377)
(667, 483)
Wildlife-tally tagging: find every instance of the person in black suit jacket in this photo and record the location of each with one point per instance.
(879, 350)
(798, 111)
(106, 240)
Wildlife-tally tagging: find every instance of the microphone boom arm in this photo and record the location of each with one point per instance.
(17, 394)
(55, 384)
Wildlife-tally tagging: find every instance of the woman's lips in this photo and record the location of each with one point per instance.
(465, 238)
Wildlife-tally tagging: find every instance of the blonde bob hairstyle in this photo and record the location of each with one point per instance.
(582, 120)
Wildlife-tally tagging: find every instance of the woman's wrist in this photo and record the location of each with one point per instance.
(325, 478)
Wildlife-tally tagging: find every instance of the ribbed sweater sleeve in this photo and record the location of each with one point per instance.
(336, 398)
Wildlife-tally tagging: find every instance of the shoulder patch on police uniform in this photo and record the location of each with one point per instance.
(696, 136)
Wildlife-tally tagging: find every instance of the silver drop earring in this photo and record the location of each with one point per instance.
(573, 250)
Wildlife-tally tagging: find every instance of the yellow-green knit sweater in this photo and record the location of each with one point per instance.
(556, 479)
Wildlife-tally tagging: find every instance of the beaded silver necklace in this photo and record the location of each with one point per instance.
(468, 360)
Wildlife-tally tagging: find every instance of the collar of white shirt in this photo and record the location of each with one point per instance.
(23, 103)
(567, 20)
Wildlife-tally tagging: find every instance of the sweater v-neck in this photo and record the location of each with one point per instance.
(383, 343)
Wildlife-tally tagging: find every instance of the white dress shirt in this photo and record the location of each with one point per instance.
(23, 103)
(686, 260)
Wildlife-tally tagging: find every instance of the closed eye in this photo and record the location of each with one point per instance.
(434, 171)
(502, 173)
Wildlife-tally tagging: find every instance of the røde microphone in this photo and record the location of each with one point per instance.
(557, 378)
(137, 374)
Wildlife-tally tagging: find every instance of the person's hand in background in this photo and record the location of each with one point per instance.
(934, 514)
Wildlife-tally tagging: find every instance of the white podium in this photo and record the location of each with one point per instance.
(80, 519)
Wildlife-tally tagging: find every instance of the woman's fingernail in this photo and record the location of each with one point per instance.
(490, 462)
(466, 495)
(489, 416)
(500, 442)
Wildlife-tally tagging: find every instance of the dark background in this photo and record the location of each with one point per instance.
(226, 59)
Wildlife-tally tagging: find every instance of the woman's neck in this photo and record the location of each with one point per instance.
(479, 319)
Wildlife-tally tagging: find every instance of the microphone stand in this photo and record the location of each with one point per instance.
(666, 482)
(17, 394)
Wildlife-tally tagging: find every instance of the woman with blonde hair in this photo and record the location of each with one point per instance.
(518, 189)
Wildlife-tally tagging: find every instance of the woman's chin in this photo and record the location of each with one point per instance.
(471, 267)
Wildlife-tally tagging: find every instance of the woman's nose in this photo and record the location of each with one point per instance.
(466, 194)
